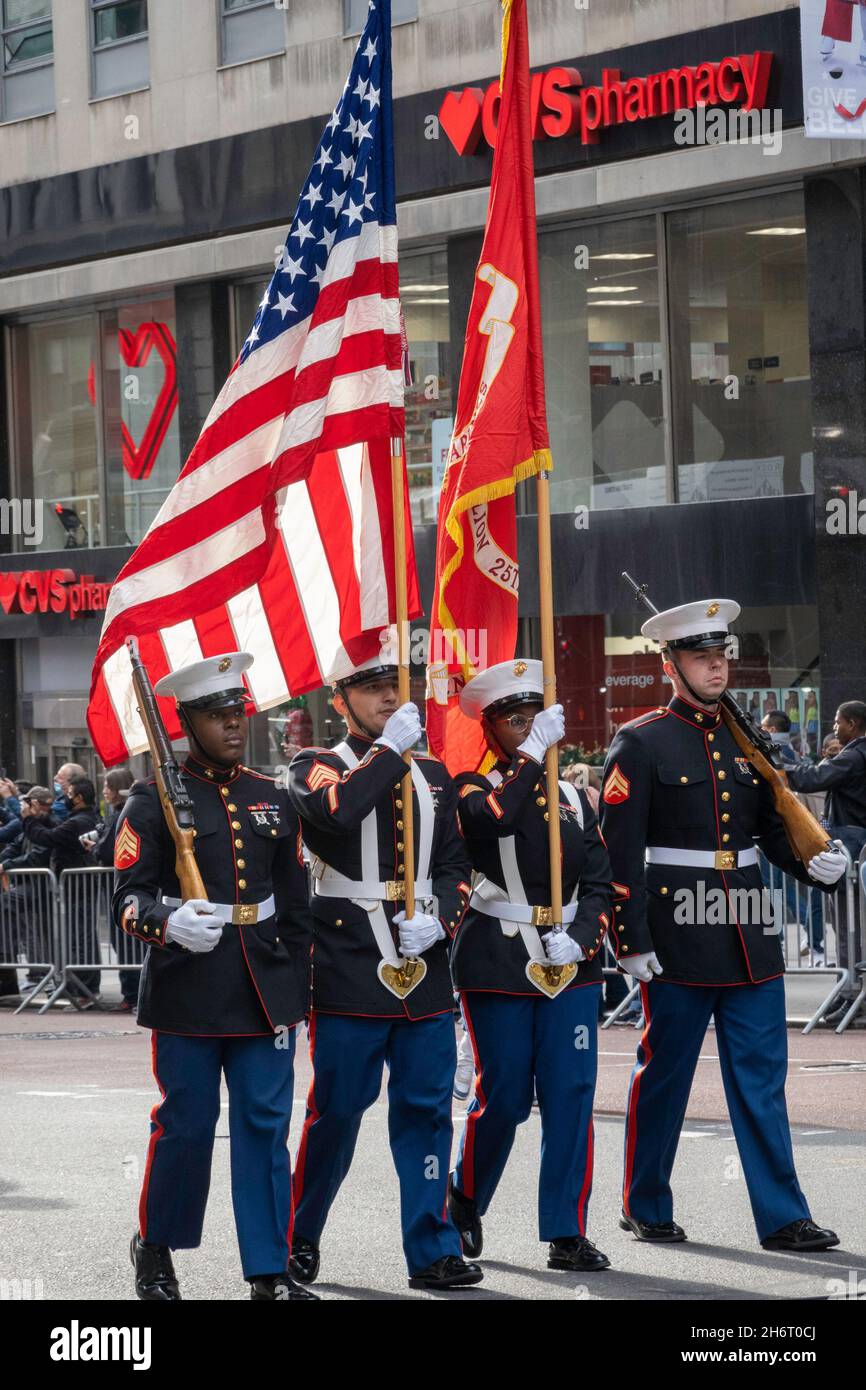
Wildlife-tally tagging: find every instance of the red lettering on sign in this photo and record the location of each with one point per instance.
(52, 591)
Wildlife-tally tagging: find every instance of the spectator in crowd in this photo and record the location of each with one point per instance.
(10, 814)
(99, 847)
(777, 724)
(583, 776)
(62, 778)
(23, 907)
(64, 843)
(843, 778)
(803, 904)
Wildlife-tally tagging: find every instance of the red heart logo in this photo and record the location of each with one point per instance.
(8, 590)
(460, 117)
(138, 459)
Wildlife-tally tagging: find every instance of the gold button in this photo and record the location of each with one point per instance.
(716, 756)
(684, 779)
(663, 891)
(273, 832)
(399, 825)
(547, 815)
(242, 883)
(400, 846)
(242, 863)
(541, 801)
(722, 775)
(618, 907)
(236, 825)
(710, 738)
(726, 796)
(623, 947)
(397, 786)
(699, 718)
(223, 790)
(232, 806)
(239, 844)
(725, 839)
(755, 781)
(400, 870)
(726, 815)
(338, 922)
(398, 803)
(208, 772)
(451, 924)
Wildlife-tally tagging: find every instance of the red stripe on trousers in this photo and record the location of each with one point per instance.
(587, 1179)
(633, 1100)
(156, 1135)
(310, 1119)
(468, 1188)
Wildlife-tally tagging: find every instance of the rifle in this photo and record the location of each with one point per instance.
(175, 799)
(805, 835)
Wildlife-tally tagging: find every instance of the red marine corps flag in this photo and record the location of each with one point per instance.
(278, 537)
(500, 432)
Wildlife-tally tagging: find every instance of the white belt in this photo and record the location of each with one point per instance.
(521, 912)
(721, 859)
(328, 883)
(236, 914)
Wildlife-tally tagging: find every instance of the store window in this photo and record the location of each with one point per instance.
(119, 53)
(251, 29)
(26, 59)
(95, 435)
(429, 407)
(740, 349)
(603, 365)
(355, 13)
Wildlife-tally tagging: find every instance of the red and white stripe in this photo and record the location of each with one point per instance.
(277, 537)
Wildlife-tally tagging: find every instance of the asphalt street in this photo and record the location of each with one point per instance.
(76, 1093)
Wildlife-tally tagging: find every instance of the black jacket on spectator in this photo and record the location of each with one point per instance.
(62, 840)
(24, 854)
(102, 852)
(843, 778)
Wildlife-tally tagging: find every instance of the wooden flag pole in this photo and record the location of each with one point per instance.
(548, 661)
(398, 505)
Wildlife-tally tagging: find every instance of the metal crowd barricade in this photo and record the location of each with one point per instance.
(847, 912)
(29, 932)
(89, 941)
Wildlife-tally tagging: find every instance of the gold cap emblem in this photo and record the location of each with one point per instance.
(519, 668)
(224, 664)
(712, 610)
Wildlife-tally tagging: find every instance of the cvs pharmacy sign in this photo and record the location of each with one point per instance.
(51, 591)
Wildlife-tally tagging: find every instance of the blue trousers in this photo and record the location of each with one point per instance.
(752, 1043)
(552, 1043)
(260, 1079)
(348, 1056)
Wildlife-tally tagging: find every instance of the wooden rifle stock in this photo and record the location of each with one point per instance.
(173, 795)
(805, 835)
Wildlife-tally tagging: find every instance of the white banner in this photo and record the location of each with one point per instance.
(833, 42)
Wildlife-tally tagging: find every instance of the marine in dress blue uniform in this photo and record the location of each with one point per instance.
(683, 813)
(529, 996)
(224, 983)
(382, 990)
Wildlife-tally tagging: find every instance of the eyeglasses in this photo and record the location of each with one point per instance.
(520, 723)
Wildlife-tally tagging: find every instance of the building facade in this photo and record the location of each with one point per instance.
(703, 304)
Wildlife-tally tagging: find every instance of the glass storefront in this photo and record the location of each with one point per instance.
(95, 423)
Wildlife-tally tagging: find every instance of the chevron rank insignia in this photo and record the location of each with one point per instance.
(321, 775)
(127, 847)
(617, 786)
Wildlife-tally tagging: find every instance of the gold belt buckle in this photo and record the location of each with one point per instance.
(725, 859)
(542, 916)
(245, 914)
(395, 891)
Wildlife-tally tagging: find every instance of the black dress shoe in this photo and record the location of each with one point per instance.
(279, 1288)
(464, 1214)
(662, 1232)
(155, 1279)
(801, 1235)
(304, 1260)
(448, 1273)
(576, 1253)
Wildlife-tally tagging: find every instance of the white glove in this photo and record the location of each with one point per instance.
(643, 967)
(830, 864)
(193, 925)
(403, 729)
(548, 727)
(418, 933)
(561, 948)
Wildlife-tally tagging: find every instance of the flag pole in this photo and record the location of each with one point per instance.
(548, 662)
(398, 507)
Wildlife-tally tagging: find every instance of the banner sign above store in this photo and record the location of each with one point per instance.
(563, 106)
(52, 591)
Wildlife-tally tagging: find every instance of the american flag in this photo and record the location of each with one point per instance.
(277, 537)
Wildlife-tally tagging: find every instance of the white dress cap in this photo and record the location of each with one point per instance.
(505, 683)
